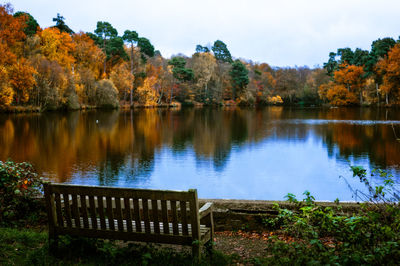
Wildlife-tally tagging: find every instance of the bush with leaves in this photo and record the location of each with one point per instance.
(106, 94)
(19, 186)
(325, 235)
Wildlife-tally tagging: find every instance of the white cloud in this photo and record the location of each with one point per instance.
(281, 33)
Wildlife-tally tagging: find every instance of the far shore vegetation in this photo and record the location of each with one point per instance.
(56, 68)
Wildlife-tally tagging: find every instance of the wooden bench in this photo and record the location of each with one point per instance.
(157, 216)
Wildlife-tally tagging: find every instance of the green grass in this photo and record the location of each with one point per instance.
(30, 247)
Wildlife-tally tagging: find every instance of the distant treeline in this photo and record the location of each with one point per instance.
(55, 68)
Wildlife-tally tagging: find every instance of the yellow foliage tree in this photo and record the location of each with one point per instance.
(123, 79)
(6, 92)
(58, 46)
(147, 93)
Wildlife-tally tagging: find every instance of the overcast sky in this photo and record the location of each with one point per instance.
(279, 32)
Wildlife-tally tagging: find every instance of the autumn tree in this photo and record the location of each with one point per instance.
(31, 25)
(239, 78)
(389, 68)
(204, 65)
(122, 79)
(58, 46)
(21, 79)
(352, 78)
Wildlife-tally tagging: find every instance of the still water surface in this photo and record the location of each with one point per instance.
(224, 153)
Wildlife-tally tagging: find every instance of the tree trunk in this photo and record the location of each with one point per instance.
(105, 58)
(387, 98)
(361, 98)
(131, 73)
(377, 91)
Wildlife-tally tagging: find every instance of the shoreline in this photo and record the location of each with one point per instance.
(37, 109)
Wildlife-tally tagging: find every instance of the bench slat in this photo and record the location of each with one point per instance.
(92, 211)
(127, 208)
(84, 211)
(154, 206)
(67, 209)
(57, 198)
(146, 219)
(119, 213)
(183, 209)
(101, 212)
(136, 211)
(174, 218)
(75, 210)
(164, 213)
(110, 214)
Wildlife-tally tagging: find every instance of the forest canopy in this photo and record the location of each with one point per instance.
(59, 68)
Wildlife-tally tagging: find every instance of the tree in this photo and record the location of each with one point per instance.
(60, 24)
(131, 37)
(122, 79)
(103, 31)
(106, 94)
(22, 80)
(58, 46)
(221, 51)
(389, 68)
(6, 92)
(204, 65)
(146, 48)
(31, 26)
(352, 78)
(202, 49)
(239, 78)
(87, 54)
(179, 70)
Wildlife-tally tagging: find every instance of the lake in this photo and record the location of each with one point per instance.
(226, 153)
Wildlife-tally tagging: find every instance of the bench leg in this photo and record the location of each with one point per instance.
(196, 251)
(53, 243)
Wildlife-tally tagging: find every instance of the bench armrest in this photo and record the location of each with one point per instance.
(205, 210)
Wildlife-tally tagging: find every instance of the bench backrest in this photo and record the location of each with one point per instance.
(108, 209)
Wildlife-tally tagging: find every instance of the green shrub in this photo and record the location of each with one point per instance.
(106, 94)
(19, 185)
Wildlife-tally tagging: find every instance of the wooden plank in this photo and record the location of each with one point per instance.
(50, 209)
(174, 218)
(129, 236)
(67, 210)
(75, 211)
(146, 219)
(92, 211)
(128, 217)
(182, 205)
(121, 192)
(154, 206)
(136, 212)
(164, 213)
(194, 216)
(101, 212)
(60, 221)
(84, 211)
(119, 213)
(110, 215)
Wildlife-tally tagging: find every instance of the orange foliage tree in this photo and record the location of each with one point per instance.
(390, 68)
(57, 46)
(348, 83)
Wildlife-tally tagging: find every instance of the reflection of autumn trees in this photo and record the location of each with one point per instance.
(123, 144)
